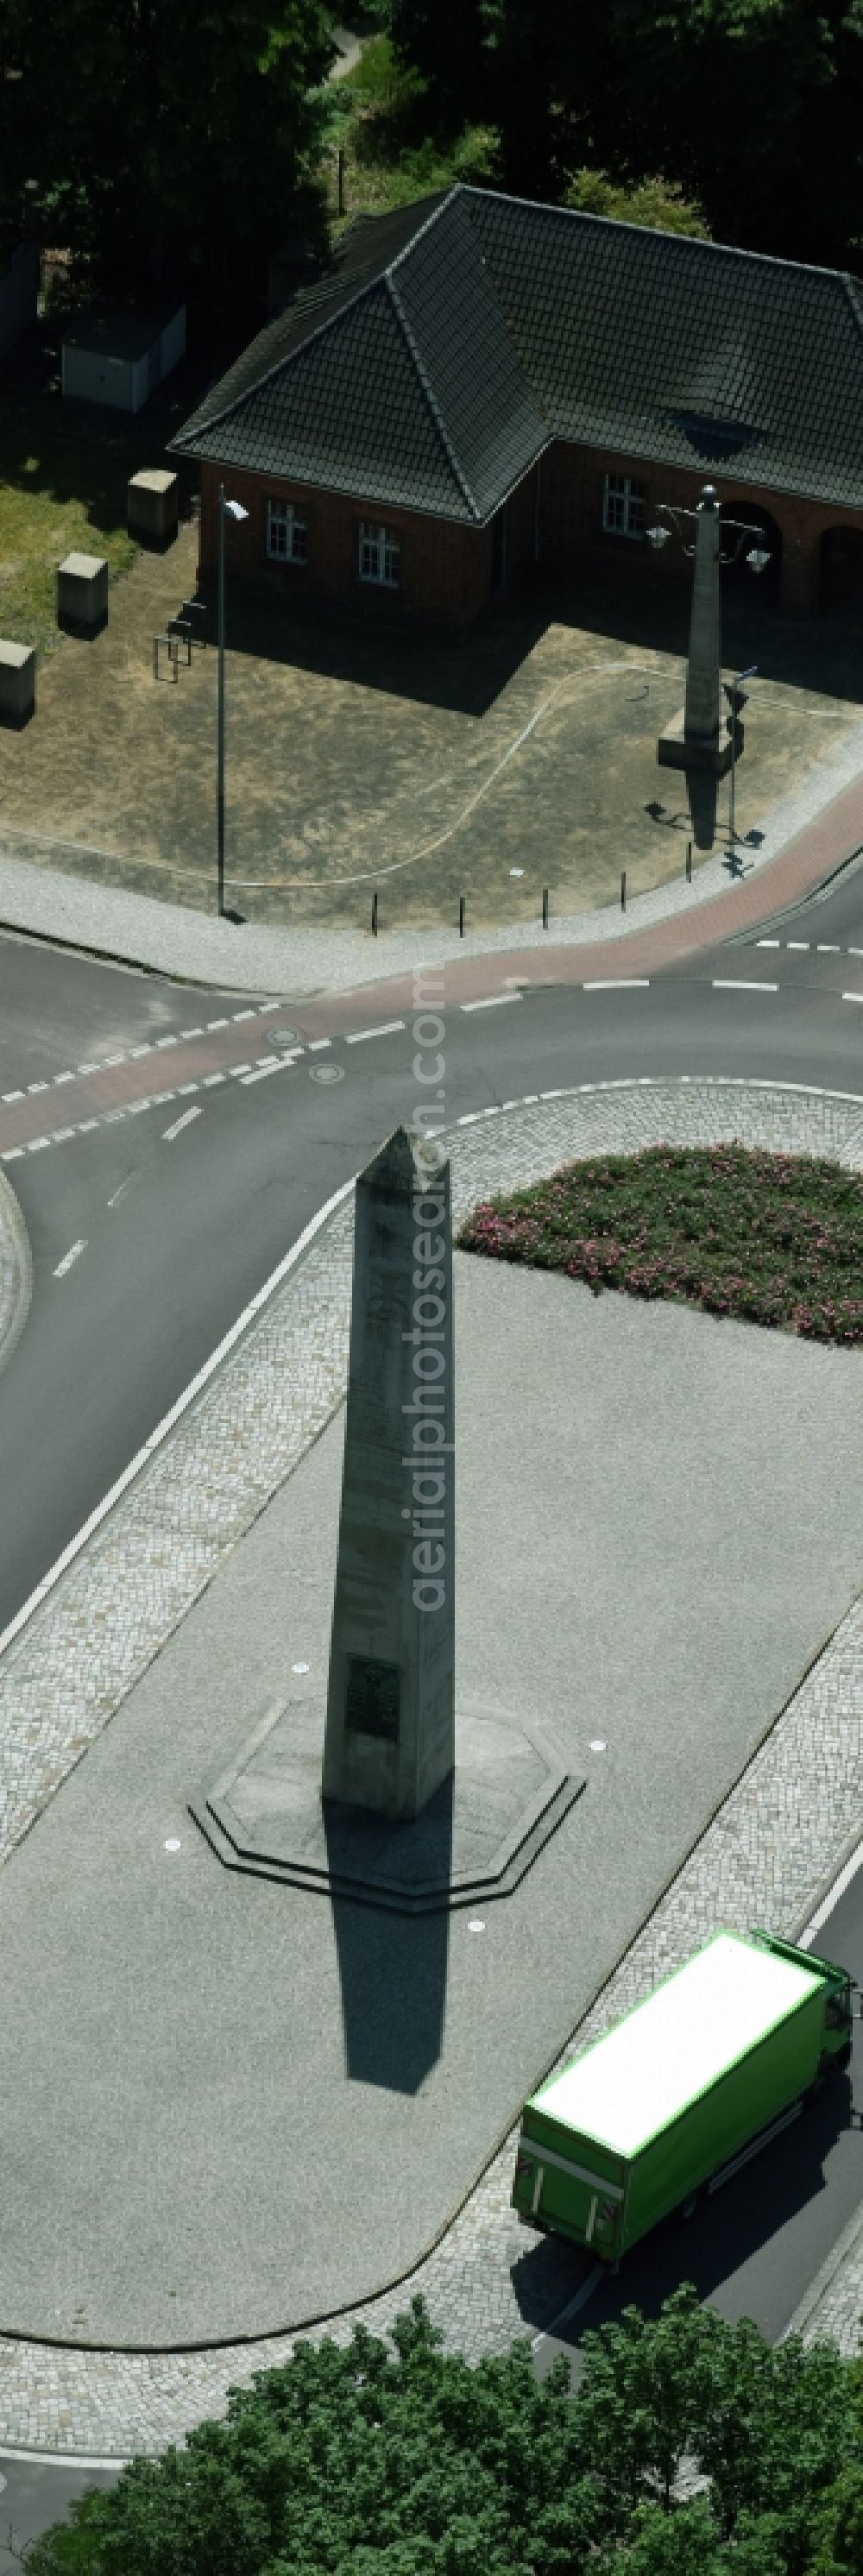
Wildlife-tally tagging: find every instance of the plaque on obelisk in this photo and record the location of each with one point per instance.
(390, 1723)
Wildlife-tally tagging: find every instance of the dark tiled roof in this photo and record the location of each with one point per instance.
(683, 351)
(449, 342)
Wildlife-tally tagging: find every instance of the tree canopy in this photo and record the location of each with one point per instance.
(754, 108)
(358, 2460)
(154, 126)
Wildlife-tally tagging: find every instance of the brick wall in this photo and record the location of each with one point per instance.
(445, 569)
(571, 507)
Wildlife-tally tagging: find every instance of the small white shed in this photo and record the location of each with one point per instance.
(19, 286)
(120, 357)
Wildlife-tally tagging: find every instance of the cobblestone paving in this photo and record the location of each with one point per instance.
(782, 1830)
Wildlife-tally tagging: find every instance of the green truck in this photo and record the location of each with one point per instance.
(681, 2092)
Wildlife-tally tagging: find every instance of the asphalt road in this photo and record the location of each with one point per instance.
(177, 1233)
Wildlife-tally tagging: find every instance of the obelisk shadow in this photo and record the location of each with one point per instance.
(393, 1966)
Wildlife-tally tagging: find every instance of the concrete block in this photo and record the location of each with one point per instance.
(82, 593)
(17, 683)
(153, 506)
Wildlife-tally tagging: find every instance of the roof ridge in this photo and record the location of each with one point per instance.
(328, 320)
(584, 214)
(431, 397)
(367, 288)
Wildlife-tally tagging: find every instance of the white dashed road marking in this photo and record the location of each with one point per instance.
(491, 1002)
(385, 1029)
(169, 1133)
(271, 1064)
(315, 1045)
(852, 997)
(733, 984)
(619, 984)
(69, 1257)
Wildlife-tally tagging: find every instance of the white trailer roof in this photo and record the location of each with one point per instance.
(641, 2074)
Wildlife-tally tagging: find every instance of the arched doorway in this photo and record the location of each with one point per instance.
(738, 577)
(840, 570)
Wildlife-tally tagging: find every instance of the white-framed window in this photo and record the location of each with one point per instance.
(287, 536)
(380, 555)
(623, 506)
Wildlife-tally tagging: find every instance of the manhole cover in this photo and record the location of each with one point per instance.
(284, 1037)
(326, 1073)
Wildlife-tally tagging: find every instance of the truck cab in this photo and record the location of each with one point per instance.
(838, 1990)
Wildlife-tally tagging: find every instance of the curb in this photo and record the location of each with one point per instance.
(16, 1271)
(719, 1090)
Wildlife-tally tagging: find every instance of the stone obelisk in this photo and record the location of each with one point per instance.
(693, 739)
(390, 1725)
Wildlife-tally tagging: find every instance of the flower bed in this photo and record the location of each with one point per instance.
(773, 1238)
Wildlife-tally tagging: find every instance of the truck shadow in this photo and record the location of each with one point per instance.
(751, 2248)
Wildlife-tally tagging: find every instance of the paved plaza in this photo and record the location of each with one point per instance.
(363, 758)
(678, 1722)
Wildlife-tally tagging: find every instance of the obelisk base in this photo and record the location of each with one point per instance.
(472, 1843)
(678, 750)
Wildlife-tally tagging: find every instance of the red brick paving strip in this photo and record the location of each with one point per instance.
(819, 847)
(118, 1086)
(799, 868)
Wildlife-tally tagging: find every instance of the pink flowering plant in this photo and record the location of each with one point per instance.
(773, 1238)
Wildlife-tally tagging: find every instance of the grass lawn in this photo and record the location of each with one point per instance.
(57, 492)
(772, 1238)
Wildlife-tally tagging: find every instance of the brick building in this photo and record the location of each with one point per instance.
(477, 383)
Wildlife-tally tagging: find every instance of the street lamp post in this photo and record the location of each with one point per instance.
(736, 698)
(692, 739)
(236, 511)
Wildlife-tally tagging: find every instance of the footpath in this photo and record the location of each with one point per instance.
(768, 1851)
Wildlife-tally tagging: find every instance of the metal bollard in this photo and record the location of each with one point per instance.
(374, 916)
(461, 916)
(689, 862)
(545, 907)
(623, 889)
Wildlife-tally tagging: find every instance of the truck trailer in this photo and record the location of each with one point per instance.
(681, 2092)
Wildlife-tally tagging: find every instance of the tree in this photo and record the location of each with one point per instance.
(152, 128)
(754, 108)
(359, 2460)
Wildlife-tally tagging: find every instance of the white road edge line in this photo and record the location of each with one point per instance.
(169, 1420)
(69, 1257)
(572, 2307)
(385, 1029)
(491, 1002)
(169, 1133)
(737, 984)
